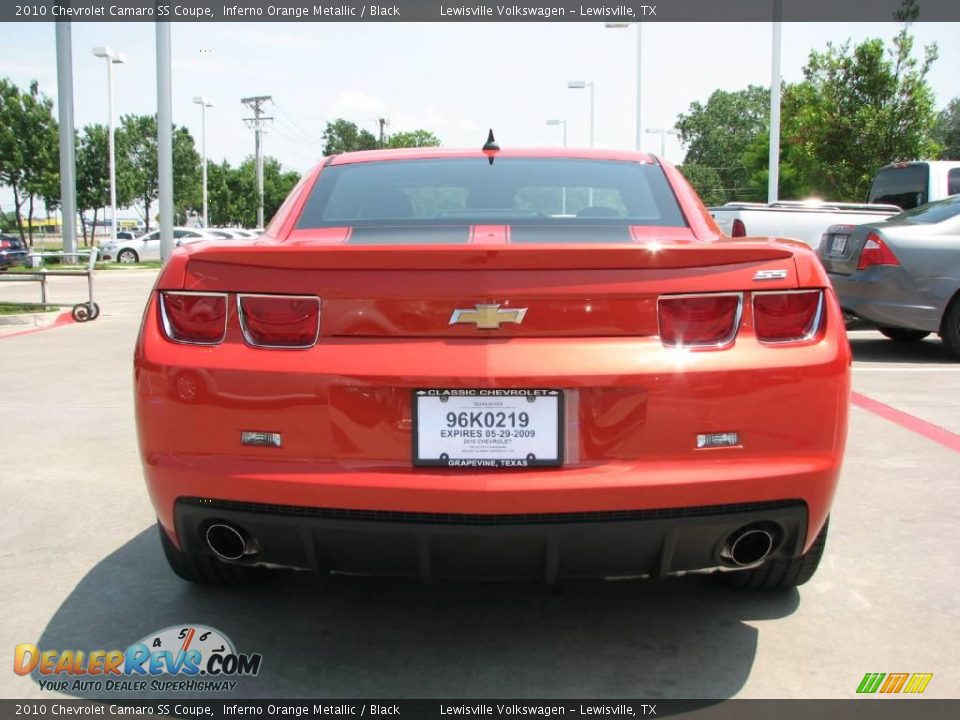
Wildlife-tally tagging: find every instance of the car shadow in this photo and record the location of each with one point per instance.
(878, 349)
(354, 637)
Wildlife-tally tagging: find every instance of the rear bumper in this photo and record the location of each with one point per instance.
(546, 547)
(13, 258)
(889, 297)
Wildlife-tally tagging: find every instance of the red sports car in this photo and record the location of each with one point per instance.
(520, 364)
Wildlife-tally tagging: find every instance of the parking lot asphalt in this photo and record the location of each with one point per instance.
(82, 567)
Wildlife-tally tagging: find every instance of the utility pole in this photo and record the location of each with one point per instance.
(383, 123)
(257, 123)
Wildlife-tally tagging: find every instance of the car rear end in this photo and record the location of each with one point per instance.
(476, 390)
(13, 252)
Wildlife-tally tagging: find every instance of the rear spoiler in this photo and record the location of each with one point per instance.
(540, 256)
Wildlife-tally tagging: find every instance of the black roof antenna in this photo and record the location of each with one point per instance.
(490, 147)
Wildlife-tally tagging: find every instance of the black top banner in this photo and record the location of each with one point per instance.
(470, 11)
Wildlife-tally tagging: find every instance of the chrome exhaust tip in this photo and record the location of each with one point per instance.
(748, 546)
(228, 542)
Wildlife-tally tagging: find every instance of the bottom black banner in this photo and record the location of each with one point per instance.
(873, 708)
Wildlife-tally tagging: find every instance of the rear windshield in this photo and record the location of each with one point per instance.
(555, 192)
(905, 187)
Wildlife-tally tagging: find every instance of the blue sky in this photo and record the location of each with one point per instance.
(456, 79)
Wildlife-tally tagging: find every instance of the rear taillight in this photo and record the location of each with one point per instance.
(787, 316)
(5, 244)
(699, 320)
(196, 318)
(876, 252)
(738, 229)
(280, 321)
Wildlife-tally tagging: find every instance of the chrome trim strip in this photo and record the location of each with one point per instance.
(165, 321)
(726, 342)
(814, 326)
(246, 334)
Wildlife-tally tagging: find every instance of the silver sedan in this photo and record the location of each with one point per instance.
(902, 274)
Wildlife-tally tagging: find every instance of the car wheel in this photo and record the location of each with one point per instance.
(950, 330)
(903, 335)
(206, 569)
(781, 573)
(127, 256)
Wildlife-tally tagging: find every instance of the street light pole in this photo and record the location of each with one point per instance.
(563, 190)
(580, 85)
(773, 179)
(204, 103)
(113, 58)
(663, 137)
(639, 98)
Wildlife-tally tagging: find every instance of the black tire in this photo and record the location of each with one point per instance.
(950, 330)
(127, 256)
(903, 335)
(81, 312)
(206, 569)
(782, 573)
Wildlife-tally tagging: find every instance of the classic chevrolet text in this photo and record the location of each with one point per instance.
(511, 363)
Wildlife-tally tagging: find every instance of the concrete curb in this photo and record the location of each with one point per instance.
(32, 322)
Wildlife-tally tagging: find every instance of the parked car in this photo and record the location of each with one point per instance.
(896, 187)
(425, 367)
(12, 252)
(901, 275)
(147, 247)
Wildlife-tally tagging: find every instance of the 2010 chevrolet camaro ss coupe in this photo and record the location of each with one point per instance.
(531, 364)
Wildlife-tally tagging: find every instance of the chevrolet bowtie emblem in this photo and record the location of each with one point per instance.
(488, 317)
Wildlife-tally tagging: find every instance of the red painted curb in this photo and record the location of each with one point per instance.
(64, 318)
(910, 422)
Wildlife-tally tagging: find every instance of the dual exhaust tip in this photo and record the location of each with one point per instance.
(750, 545)
(747, 546)
(229, 542)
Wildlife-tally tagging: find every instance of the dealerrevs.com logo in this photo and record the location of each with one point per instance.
(200, 659)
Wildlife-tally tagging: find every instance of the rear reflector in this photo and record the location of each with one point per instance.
(699, 320)
(787, 316)
(876, 252)
(195, 318)
(280, 321)
(739, 229)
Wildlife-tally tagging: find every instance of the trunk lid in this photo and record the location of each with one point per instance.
(486, 291)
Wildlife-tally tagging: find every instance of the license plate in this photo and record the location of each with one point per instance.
(838, 244)
(487, 428)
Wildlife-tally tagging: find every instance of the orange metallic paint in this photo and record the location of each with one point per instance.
(634, 406)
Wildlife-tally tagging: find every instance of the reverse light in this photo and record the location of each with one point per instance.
(717, 440)
(699, 320)
(788, 316)
(876, 252)
(280, 321)
(194, 318)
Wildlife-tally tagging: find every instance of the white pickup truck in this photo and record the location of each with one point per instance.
(896, 187)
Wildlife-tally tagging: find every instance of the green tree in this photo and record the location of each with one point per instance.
(706, 181)
(342, 136)
(413, 139)
(718, 133)
(137, 156)
(93, 173)
(29, 151)
(946, 131)
(858, 108)
(232, 192)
